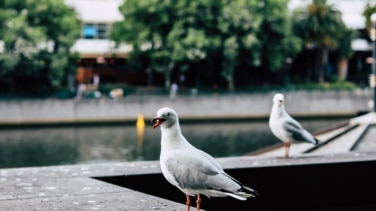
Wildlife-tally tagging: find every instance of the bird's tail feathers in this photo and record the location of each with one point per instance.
(248, 191)
(317, 141)
(243, 198)
(243, 194)
(310, 138)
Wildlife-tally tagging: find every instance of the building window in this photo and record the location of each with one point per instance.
(102, 31)
(95, 31)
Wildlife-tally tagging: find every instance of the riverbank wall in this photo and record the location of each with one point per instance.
(198, 107)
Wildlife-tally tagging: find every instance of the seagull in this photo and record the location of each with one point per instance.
(191, 170)
(285, 128)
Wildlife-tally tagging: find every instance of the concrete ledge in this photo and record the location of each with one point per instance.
(337, 139)
(278, 180)
(239, 106)
(72, 188)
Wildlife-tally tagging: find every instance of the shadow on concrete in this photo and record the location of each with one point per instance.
(327, 186)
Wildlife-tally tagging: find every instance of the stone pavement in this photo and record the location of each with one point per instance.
(72, 187)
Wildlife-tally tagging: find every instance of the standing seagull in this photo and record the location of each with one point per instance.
(284, 127)
(191, 170)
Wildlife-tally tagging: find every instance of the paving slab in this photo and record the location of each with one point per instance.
(343, 143)
(368, 142)
(72, 187)
(300, 148)
(339, 140)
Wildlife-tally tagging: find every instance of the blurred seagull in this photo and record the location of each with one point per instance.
(285, 128)
(191, 170)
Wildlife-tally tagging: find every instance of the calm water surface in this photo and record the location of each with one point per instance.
(84, 144)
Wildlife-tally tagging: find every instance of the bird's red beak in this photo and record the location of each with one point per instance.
(157, 121)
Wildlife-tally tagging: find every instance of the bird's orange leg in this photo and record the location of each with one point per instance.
(287, 149)
(188, 202)
(198, 202)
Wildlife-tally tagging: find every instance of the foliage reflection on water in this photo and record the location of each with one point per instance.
(72, 145)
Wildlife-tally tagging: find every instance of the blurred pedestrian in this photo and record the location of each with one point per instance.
(173, 90)
(96, 81)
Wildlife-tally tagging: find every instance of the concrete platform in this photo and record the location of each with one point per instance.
(74, 187)
(339, 139)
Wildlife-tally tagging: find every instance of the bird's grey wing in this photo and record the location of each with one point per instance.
(190, 171)
(211, 160)
(298, 133)
(294, 129)
(199, 170)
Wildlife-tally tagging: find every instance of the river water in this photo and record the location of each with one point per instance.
(92, 144)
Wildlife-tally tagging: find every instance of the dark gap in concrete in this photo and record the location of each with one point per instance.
(348, 129)
(361, 137)
(328, 186)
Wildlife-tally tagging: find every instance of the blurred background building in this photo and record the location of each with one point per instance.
(352, 15)
(99, 54)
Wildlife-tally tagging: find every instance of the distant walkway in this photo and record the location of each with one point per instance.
(357, 134)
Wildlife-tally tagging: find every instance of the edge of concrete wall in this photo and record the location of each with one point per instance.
(190, 108)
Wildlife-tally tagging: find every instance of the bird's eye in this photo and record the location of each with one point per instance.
(168, 113)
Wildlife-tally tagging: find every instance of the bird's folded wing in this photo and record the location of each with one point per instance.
(188, 171)
(294, 129)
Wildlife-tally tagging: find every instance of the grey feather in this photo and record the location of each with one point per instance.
(204, 176)
(298, 133)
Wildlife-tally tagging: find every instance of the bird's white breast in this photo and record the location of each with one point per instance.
(171, 146)
(276, 124)
(166, 173)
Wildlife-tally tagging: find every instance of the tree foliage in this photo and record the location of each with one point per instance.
(222, 35)
(368, 11)
(344, 49)
(36, 36)
(278, 41)
(321, 27)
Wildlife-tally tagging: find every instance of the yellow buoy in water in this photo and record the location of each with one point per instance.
(140, 126)
(140, 123)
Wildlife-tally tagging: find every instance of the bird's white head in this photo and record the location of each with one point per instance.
(166, 117)
(278, 99)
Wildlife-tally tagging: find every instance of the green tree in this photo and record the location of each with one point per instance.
(238, 25)
(171, 32)
(37, 36)
(344, 52)
(279, 44)
(368, 11)
(229, 37)
(154, 30)
(320, 25)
